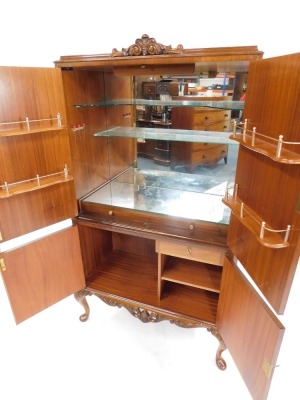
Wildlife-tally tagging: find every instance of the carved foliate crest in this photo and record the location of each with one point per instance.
(146, 46)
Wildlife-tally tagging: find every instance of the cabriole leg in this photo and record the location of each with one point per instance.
(221, 363)
(81, 298)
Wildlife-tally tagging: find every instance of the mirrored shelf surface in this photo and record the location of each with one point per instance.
(219, 104)
(174, 194)
(179, 135)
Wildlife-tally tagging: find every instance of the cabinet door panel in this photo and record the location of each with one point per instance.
(41, 273)
(30, 92)
(267, 186)
(36, 181)
(29, 211)
(251, 331)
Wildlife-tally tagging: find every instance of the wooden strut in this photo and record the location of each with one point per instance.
(147, 315)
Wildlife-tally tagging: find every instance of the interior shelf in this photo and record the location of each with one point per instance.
(190, 301)
(266, 235)
(120, 274)
(219, 104)
(192, 273)
(180, 135)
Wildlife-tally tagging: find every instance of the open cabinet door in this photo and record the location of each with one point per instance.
(37, 191)
(39, 274)
(264, 228)
(251, 331)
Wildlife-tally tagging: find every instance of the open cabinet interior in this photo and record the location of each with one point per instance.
(153, 158)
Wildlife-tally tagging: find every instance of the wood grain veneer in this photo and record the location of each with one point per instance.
(250, 329)
(36, 276)
(97, 159)
(271, 189)
(36, 93)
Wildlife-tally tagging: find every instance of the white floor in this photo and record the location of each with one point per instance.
(115, 356)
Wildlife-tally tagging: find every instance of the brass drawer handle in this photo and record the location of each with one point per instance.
(188, 250)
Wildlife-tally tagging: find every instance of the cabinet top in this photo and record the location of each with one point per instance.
(146, 53)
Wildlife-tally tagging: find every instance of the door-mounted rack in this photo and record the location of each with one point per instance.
(264, 144)
(266, 235)
(30, 125)
(38, 182)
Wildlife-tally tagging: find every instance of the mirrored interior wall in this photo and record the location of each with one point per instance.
(160, 92)
(185, 159)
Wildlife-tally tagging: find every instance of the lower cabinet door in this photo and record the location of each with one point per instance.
(249, 328)
(39, 274)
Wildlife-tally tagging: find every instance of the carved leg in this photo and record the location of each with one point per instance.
(221, 363)
(149, 315)
(81, 298)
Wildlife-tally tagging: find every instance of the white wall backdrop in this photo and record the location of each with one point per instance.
(36, 32)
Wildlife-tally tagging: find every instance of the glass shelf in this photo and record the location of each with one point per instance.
(179, 135)
(219, 104)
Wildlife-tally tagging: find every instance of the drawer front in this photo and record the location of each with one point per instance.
(227, 126)
(149, 88)
(208, 154)
(227, 115)
(207, 116)
(207, 254)
(218, 126)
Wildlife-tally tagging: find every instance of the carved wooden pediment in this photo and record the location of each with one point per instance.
(146, 46)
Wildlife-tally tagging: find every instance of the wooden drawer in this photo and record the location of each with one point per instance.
(207, 254)
(218, 126)
(207, 116)
(210, 154)
(228, 126)
(149, 88)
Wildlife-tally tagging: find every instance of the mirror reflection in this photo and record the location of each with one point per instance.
(184, 159)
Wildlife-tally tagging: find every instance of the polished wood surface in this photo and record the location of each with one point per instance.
(207, 254)
(113, 263)
(43, 272)
(119, 274)
(208, 58)
(270, 188)
(35, 93)
(250, 329)
(95, 159)
(153, 225)
(193, 274)
(41, 150)
(25, 212)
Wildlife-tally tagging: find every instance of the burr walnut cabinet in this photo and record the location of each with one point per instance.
(176, 246)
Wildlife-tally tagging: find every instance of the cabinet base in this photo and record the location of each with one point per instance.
(146, 313)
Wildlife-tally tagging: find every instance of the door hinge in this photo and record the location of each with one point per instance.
(267, 368)
(2, 265)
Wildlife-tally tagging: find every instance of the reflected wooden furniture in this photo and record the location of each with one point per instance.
(202, 119)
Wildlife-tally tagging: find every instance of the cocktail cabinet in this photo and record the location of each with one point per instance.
(181, 201)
